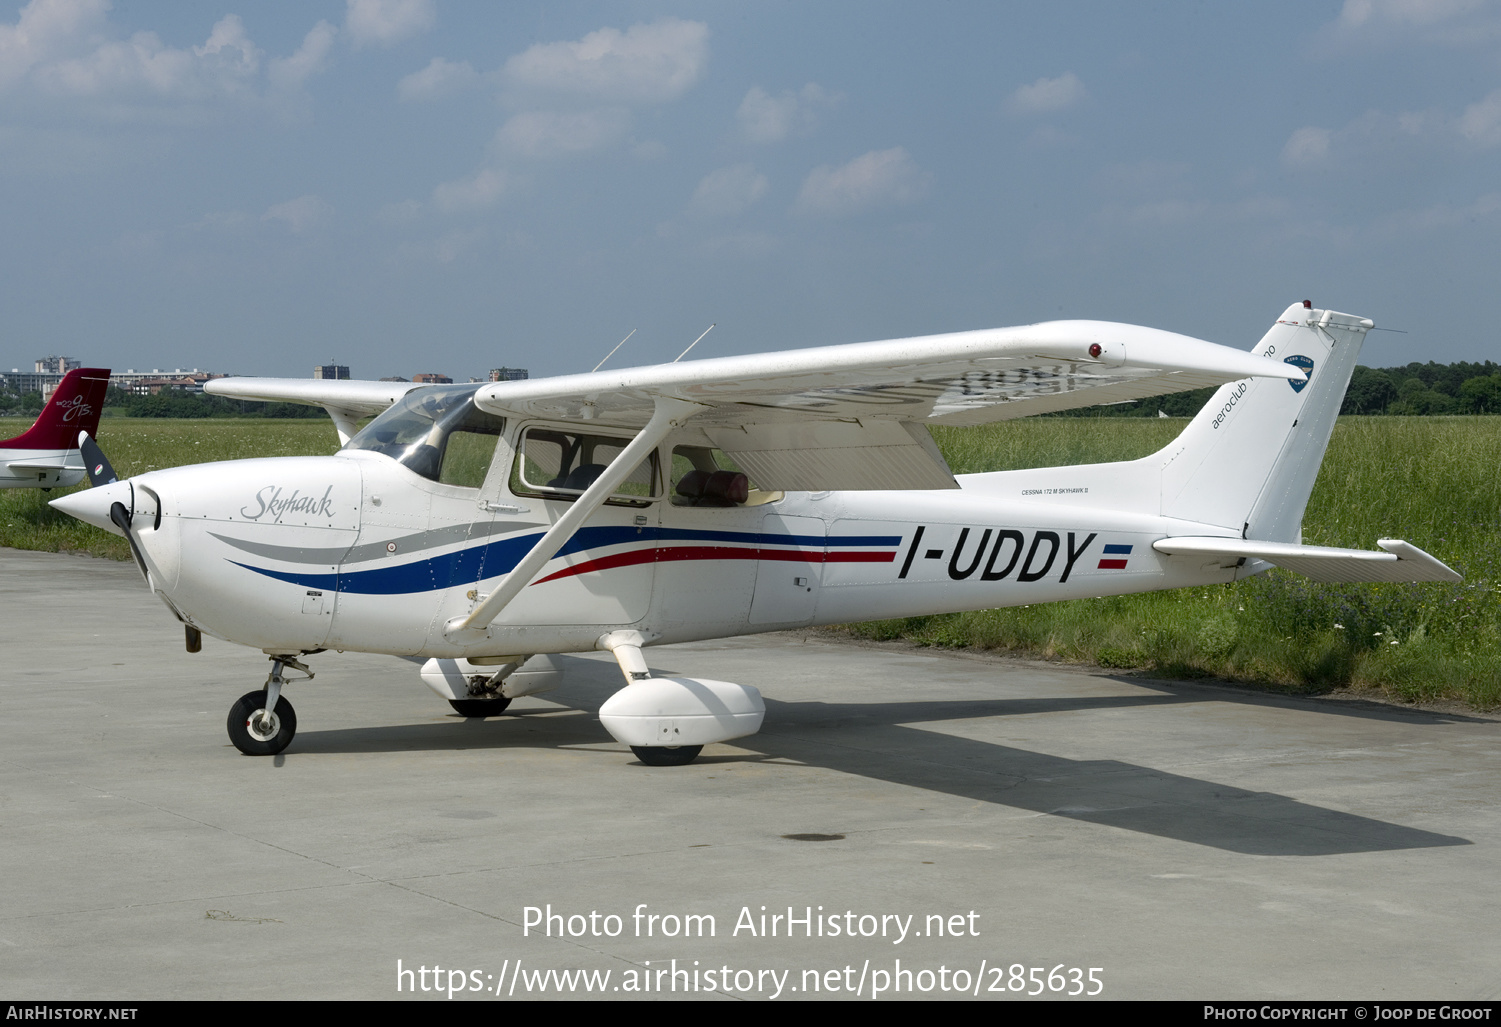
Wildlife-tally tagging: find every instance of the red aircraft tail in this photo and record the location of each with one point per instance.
(73, 408)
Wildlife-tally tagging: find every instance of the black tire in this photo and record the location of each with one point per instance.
(662, 756)
(479, 707)
(253, 741)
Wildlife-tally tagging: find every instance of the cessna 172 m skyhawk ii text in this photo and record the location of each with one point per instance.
(487, 526)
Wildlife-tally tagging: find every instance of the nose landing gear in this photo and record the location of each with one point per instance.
(263, 723)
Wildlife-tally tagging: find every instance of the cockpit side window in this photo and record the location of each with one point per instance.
(557, 464)
(437, 433)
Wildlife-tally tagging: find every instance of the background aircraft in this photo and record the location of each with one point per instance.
(46, 454)
(486, 526)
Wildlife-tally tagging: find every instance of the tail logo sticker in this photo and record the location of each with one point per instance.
(1115, 558)
(1303, 364)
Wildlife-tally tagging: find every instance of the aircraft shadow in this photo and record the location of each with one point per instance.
(878, 741)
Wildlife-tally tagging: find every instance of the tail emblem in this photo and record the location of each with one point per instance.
(1303, 364)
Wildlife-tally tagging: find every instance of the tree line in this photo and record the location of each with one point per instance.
(1411, 390)
(120, 402)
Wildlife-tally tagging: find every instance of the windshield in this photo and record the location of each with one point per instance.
(438, 433)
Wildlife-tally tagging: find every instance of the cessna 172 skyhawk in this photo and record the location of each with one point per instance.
(486, 526)
(46, 455)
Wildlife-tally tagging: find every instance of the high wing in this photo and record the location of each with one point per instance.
(346, 401)
(853, 417)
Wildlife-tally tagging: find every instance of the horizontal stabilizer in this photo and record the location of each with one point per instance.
(1402, 561)
(42, 465)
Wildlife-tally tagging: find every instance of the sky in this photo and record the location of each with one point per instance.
(410, 186)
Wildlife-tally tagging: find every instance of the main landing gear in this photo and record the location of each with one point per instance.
(480, 707)
(263, 723)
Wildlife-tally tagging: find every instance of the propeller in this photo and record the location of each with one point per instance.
(96, 464)
(101, 472)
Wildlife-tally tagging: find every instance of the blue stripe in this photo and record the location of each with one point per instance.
(488, 560)
(1118, 549)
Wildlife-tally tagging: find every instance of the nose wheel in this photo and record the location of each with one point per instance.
(258, 731)
(263, 723)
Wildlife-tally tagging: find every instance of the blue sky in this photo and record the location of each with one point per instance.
(420, 185)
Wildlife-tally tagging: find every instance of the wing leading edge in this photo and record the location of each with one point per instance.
(346, 401)
(853, 417)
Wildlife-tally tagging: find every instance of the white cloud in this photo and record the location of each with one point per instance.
(1359, 13)
(1377, 135)
(311, 58)
(728, 191)
(45, 30)
(1047, 95)
(66, 49)
(387, 22)
(439, 78)
(765, 118)
(1461, 23)
(1481, 121)
(1307, 147)
(645, 63)
(552, 134)
(477, 192)
(301, 215)
(228, 43)
(879, 178)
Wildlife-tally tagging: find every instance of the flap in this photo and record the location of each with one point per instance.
(814, 456)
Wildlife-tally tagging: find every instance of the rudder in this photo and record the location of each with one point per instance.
(1248, 461)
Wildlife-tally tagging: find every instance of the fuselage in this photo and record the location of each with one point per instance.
(357, 551)
(39, 468)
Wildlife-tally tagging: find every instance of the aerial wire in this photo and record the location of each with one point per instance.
(695, 342)
(612, 352)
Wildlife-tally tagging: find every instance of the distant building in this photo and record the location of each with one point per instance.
(432, 379)
(57, 365)
(394, 378)
(149, 383)
(508, 374)
(339, 371)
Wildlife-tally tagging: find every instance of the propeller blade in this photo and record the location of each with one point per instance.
(122, 519)
(97, 464)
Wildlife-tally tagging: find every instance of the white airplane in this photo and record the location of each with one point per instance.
(484, 527)
(46, 455)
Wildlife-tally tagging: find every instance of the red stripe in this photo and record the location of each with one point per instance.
(1112, 565)
(670, 553)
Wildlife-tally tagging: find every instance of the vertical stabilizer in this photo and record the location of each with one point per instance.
(1248, 461)
(74, 407)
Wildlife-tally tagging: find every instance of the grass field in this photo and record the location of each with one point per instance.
(1430, 480)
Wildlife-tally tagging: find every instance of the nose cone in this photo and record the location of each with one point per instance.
(92, 505)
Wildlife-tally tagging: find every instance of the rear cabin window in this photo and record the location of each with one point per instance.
(556, 464)
(707, 477)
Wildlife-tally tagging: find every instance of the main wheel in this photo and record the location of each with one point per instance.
(479, 707)
(662, 756)
(258, 732)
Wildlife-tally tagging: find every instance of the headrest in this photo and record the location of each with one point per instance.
(729, 486)
(691, 485)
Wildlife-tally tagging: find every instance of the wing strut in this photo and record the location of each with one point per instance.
(668, 414)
